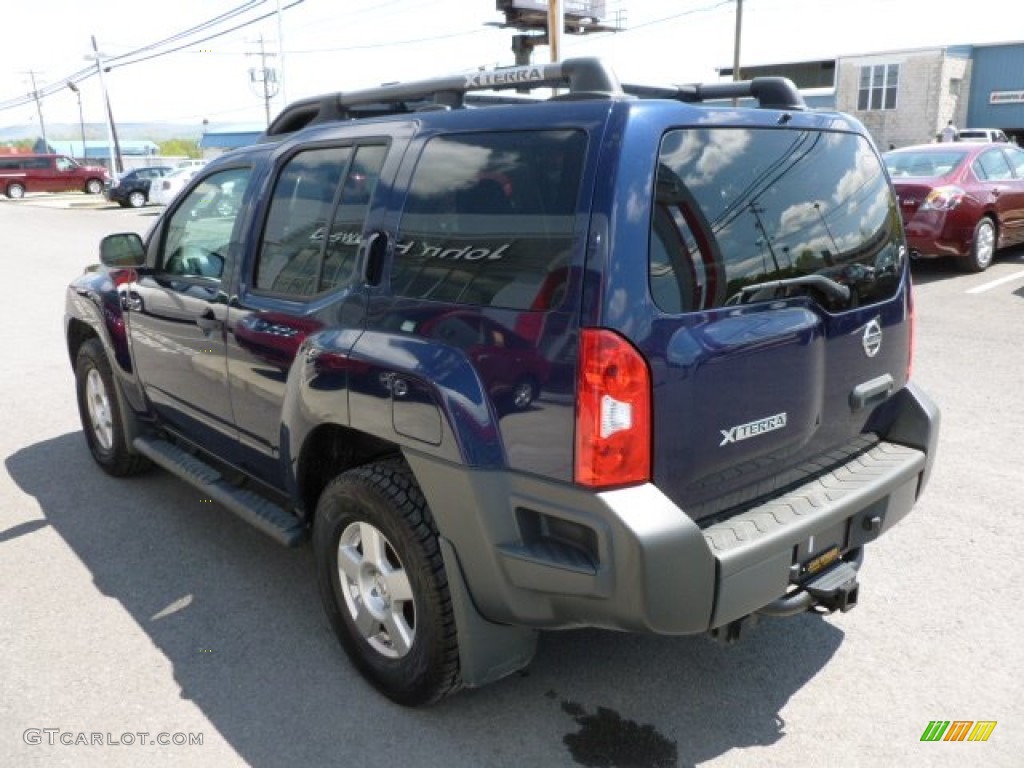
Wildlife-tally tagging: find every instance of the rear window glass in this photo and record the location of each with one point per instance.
(738, 208)
(490, 218)
(923, 165)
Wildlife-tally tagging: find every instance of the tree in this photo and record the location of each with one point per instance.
(176, 147)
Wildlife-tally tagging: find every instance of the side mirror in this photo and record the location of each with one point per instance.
(122, 250)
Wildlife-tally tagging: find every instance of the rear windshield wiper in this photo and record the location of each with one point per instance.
(835, 291)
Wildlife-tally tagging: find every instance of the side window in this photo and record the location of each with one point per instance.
(490, 219)
(201, 228)
(64, 164)
(316, 217)
(1016, 160)
(992, 166)
(347, 227)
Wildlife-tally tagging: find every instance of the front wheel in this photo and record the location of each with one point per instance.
(93, 186)
(983, 246)
(136, 199)
(383, 582)
(100, 412)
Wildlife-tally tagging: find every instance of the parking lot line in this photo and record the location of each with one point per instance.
(995, 283)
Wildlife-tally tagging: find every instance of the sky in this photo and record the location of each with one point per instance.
(332, 45)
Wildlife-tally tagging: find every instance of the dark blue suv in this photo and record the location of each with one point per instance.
(626, 357)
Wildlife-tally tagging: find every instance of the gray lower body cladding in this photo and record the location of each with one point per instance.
(544, 554)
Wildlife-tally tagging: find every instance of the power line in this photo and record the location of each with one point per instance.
(133, 57)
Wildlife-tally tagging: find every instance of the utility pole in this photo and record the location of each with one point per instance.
(736, 46)
(264, 76)
(39, 108)
(116, 165)
(280, 55)
(556, 24)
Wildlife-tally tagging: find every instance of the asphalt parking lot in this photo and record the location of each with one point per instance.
(128, 607)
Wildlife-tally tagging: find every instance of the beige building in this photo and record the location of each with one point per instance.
(905, 97)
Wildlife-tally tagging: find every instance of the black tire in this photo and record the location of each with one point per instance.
(100, 413)
(136, 198)
(983, 246)
(93, 187)
(406, 647)
(15, 191)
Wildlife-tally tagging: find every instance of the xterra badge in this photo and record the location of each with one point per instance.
(752, 429)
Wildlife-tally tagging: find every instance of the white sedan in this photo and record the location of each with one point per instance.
(165, 189)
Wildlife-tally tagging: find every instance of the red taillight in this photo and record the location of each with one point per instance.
(943, 199)
(613, 412)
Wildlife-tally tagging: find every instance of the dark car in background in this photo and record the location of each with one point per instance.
(132, 189)
(964, 200)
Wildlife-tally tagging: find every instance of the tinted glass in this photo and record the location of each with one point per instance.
(314, 229)
(346, 230)
(489, 217)
(300, 210)
(201, 228)
(736, 208)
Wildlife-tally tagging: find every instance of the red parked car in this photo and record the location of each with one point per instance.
(961, 200)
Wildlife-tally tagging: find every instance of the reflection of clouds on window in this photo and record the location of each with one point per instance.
(799, 216)
(724, 147)
(862, 173)
(449, 167)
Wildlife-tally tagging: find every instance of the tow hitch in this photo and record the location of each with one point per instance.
(836, 589)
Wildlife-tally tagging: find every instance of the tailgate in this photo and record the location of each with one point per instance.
(781, 284)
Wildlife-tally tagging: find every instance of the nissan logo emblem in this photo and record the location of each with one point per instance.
(872, 338)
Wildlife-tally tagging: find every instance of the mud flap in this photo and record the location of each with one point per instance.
(487, 651)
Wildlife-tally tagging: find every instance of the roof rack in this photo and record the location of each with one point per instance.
(585, 78)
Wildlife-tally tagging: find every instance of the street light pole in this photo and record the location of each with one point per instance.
(81, 117)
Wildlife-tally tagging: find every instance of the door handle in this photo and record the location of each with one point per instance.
(871, 392)
(376, 252)
(208, 322)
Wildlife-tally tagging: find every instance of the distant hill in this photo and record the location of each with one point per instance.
(155, 132)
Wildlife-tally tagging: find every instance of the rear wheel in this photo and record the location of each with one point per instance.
(15, 191)
(524, 393)
(983, 247)
(136, 199)
(93, 186)
(383, 582)
(100, 412)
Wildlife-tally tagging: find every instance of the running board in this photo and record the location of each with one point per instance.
(256, 510)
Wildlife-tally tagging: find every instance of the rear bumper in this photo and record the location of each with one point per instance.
(543, 554)
(934, 234)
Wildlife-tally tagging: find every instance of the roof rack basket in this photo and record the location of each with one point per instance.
(585, 78)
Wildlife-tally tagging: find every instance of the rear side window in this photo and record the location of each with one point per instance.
(735, 208)
(490, 219)
(992, 166)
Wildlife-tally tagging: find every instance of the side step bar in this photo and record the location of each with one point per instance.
(256, 510)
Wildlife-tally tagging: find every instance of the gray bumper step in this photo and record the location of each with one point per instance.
(251, 507)
(831, 497)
